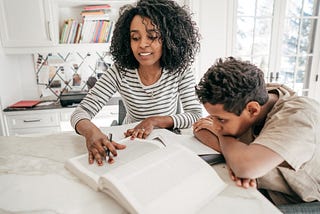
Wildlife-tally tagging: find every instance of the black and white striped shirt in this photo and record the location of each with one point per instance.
(158, 99)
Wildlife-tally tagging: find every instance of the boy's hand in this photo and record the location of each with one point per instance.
(242, 182)
(208, 123)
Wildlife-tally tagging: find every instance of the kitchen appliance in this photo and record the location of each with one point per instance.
(71, 98)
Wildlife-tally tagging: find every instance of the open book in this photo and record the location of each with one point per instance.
(151, 177)
(164, 135)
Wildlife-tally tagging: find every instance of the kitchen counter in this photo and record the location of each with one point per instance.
(33, 180)
(44, 105)
(50, 117)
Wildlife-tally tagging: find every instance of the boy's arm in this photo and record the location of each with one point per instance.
(248, 161)
(208, 138)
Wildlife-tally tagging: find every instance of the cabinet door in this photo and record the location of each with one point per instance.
(26, 23)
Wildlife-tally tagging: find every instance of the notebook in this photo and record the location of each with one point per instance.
(25, 104)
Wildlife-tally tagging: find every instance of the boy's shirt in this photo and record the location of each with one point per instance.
(292, 129)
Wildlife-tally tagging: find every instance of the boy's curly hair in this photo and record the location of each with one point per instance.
(178, 34)
(233, 83)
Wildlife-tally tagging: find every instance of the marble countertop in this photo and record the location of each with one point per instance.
(33, 180)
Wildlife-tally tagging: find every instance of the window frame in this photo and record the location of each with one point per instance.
(313, 81)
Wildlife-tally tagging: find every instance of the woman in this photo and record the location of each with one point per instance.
(153, 46)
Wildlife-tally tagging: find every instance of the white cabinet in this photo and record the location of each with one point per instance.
(29, 122)
(26, 23)
(34, 26)
(51, 120)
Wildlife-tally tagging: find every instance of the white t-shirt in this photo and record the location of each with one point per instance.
(292, 129)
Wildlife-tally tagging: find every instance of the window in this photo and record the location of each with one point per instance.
(280, 36)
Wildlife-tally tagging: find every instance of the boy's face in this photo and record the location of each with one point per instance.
(229, 123)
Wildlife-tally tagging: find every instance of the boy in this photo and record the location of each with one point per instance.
(269, 136)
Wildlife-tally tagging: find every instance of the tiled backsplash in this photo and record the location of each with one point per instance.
(76, 71)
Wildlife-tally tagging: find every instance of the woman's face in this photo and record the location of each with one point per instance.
(145, 43)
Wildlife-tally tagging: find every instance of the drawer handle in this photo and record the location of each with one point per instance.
(31, 121)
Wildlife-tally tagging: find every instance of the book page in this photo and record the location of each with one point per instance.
(90, 173)
(165, 136)
(188, 141)
(171, 179)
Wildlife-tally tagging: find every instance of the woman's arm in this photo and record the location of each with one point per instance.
(192, 110)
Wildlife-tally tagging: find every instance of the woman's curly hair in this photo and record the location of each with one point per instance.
(233, 83)
(178, 34)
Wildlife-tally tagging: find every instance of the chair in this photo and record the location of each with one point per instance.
(308, 208)
(121, 114)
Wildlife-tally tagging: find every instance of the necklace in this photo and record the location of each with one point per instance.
(146, 82)
(149, 79)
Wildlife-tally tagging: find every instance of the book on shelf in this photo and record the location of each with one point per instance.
(102, 36)
(66, 30)
(97, 17)
(87, 31)
(72, 32)
(90, 29)
(93, 12)
(153, 175)
(109, 31)
(97, 31)
(78, 33)
(97, 7)
(63, 32)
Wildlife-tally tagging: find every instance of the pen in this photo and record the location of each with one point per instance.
(107, 150)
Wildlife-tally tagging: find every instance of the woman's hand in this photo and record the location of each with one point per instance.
(242, 182)
(142, 130)
(97, 145)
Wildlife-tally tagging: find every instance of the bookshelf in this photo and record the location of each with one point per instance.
(72, 9)
(66, 9)
(38, 31)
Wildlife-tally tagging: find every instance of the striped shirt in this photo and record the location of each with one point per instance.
(158, 99)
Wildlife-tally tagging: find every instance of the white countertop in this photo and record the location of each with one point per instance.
(33, 180)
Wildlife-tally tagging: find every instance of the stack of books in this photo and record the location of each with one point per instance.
(95, 26)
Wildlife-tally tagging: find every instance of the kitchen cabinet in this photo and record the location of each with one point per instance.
(28, 122)
(51, 120)
(26, 23)
(34, 26)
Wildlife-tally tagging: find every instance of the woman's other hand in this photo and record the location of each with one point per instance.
(142, 130)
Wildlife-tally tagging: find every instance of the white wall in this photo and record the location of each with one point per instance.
(17, 80)
(213, 22)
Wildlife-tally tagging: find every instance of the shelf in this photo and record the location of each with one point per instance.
(60, 48)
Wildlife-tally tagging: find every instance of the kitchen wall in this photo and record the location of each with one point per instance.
(213, 20)
(17, 80)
